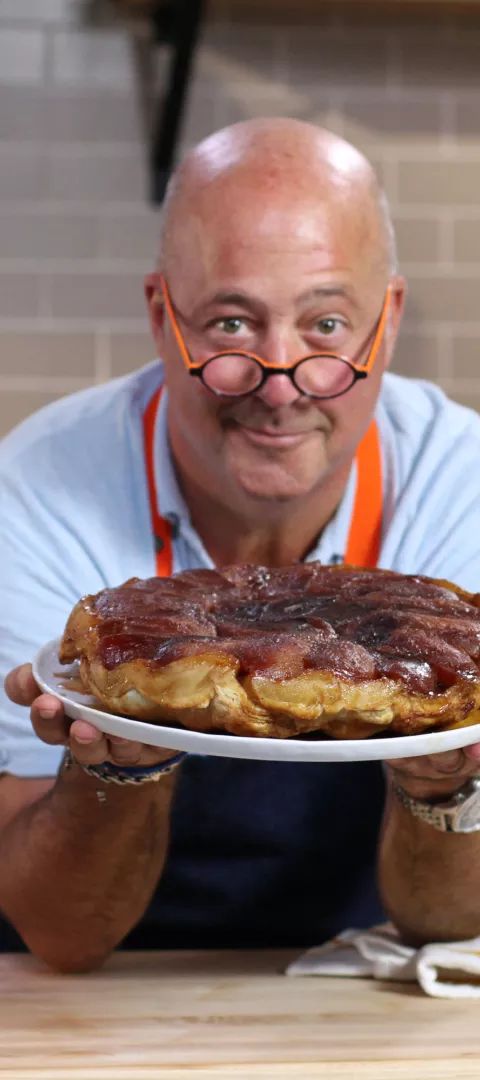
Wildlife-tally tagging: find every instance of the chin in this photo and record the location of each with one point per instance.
(274, 485)
(281, 477)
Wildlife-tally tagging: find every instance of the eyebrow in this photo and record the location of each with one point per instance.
(224, 297)
(326, 291)
(245, 300)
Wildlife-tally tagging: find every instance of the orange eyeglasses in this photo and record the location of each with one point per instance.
(237, 373)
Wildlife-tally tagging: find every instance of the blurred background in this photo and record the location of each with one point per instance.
(81, 90)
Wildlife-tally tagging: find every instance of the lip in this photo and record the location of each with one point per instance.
(272, 439)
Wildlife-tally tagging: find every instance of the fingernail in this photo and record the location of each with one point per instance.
(22, 679)
(84, 736)
(46, 714)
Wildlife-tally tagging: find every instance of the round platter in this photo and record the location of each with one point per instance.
(51, 676)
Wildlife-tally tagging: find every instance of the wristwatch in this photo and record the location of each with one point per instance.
(459, 814)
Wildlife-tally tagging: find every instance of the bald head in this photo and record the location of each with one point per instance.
(275, 161)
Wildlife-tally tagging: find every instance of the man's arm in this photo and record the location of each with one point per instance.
(430, 880)
(81, 861)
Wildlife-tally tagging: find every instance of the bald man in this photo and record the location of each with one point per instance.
(277, 243)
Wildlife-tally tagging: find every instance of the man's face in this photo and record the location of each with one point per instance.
(282, 279)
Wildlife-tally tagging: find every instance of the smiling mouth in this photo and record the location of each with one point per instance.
(267, 437)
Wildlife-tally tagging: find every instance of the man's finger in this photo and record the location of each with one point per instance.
(473, 753)
(21, 686)
(87, 744)
(125, 751)
(48, 720)
(451, 761)
(431, 766)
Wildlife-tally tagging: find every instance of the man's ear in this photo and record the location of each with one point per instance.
(397, 305)
(155, 303)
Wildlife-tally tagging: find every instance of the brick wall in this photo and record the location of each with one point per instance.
(77, 233)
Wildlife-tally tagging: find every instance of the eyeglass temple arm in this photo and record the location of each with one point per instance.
(174, 323)
(380, 331)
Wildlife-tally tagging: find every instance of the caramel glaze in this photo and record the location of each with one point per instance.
(357, 624)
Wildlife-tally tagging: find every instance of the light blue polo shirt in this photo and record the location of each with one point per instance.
(75, 518)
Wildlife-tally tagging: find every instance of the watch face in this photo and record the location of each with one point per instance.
(468, 818)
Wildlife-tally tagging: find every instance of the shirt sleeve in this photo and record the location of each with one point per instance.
(44, 567)
(436, 524)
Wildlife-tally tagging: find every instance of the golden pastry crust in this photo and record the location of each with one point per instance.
(278, 653)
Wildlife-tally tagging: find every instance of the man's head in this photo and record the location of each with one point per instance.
(276, 241)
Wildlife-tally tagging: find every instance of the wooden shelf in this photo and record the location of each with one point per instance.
(396, 8)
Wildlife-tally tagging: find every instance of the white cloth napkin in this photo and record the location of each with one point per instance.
(447, 969)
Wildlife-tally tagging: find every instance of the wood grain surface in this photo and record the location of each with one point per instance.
(226, 1015)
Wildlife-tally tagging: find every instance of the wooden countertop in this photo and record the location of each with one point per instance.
(225, 1016)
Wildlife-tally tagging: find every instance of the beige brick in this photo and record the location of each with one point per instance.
(98, 57)
(252, 48)
(117, 175)
(23, 173)
(432, 59)
(398, 122)
(43, 236)
(134, 236)
(321, 56)
(451, 299)
(19, 295)
(468, 397)
(53, 354)
(439, 182)
(42, 11)
(97, 295)
(68, 115)
(417, 239)
(22, 56)
(465, 115)
(204, 112)
(16, 405)
(20, 113)
(247, 100)
(417, 355)
(466, 357)
(130, 351)
(92, 116)
(466, 238)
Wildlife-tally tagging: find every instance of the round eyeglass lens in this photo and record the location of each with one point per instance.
(324, 376)
(232, 374)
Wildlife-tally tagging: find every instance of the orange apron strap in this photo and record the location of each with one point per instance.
(363, 546)
(160, 527)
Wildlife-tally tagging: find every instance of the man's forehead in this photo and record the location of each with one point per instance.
(229, 235)
(309, 264)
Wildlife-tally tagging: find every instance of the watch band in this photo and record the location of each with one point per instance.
(126, 774)
(447, 816)
(431, 815)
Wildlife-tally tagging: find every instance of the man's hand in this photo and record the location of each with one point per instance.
(88, 745)
(438, 775)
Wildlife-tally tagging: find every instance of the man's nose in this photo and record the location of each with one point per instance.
(278, 389)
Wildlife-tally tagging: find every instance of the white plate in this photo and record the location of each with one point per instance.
(50, 675)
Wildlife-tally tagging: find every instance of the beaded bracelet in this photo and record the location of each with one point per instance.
(126, 774)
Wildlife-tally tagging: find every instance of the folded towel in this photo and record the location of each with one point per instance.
(444, 969)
